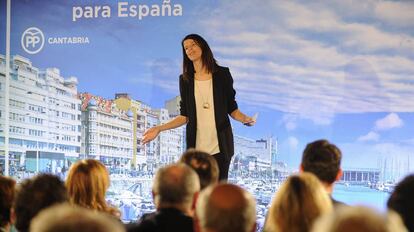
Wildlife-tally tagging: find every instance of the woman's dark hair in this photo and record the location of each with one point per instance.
(204, 164)
(7, 192)
(323, 159)
(207, 56)
(36, 194)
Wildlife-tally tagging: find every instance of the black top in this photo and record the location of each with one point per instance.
(164, 220)
(224, 104)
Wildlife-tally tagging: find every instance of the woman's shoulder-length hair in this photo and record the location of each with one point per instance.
(207, 56)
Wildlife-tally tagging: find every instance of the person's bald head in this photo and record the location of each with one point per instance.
(175, 184)
(227, 197)
(226, 208)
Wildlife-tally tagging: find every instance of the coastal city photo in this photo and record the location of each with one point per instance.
(81, 82)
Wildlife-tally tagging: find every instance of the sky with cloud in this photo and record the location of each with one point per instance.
(341, 70)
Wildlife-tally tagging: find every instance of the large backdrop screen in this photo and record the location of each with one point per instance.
(87, 78)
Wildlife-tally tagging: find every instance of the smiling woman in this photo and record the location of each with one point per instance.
(207, 98)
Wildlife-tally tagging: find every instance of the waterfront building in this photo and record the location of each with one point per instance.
(124, 102)
(173, 107)
(360, 176)
(44, 114)
(107, 132)
(151, 150)
(170, 141)
(253, 155)
(166, 148)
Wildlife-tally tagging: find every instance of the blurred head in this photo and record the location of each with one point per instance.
(7, 192)
(226, 208)
(175, 185)
(35, 195)
(195, 48)
(323, 159)
(402, 201)
(69, 218)
(204, 164)
(87, 183)
(298, 203)
(358, 219)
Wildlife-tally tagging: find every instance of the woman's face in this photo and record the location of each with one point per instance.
(192, 50)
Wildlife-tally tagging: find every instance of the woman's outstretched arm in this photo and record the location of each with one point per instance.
(153, 132)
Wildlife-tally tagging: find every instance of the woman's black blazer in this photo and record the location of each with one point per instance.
(224, 104)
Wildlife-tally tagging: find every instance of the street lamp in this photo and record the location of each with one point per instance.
(126, 104)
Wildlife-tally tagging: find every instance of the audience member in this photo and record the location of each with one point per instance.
(174, 190)
(87, 183)
(298, 203)
(204, 164)
(358, 219)
(36, 194)
(7, 192)
(323, 159)
(226, 208)
(69, 218)
(402, 201)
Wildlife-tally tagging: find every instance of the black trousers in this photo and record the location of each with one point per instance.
(223, 165)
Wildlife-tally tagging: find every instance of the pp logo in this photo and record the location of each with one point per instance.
(33, 40)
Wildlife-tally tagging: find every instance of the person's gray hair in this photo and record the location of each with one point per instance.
(240, 217)
(68, 218)
(359, 219)
(175, 184)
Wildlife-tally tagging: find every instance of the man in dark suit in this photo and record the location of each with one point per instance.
(323, 159)
(174, 190)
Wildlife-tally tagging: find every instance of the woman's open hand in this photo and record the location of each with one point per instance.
(150, 135)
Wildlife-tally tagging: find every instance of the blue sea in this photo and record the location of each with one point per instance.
(361, 195)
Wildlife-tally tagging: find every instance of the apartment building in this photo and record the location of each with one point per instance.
(44, 113)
